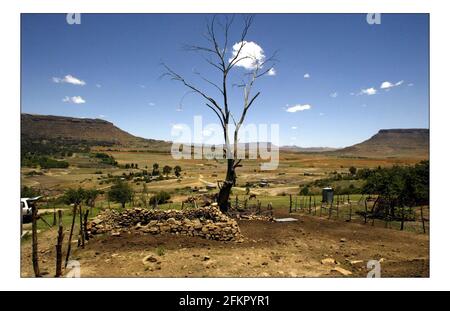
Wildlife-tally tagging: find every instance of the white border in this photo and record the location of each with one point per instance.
(10, 127)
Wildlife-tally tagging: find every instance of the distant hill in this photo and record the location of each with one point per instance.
(97, 132)
(392, 143)
(90, 131)
(306, 149)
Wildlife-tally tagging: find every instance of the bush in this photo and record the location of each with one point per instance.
(160, 198)
(29, 192)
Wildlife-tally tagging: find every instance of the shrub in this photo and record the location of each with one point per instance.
(160, 198)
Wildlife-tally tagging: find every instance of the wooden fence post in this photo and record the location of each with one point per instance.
(386, 216)
(59, 245)
(315, 207)
(81, 229)
(350, 211)
(403, 218)
(290, 203)
(35, 258)
(85, 221)
(69, 246)
(365, 212)
(337, 209)
(54, 215)
(423, 219)
(270, 208)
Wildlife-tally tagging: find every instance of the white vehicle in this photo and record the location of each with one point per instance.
(26, 205)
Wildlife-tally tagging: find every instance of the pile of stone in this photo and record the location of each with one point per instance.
(206, 222)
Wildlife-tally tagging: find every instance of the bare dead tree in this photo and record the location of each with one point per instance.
(216, 53)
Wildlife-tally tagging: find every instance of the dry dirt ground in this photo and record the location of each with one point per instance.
(269, 249)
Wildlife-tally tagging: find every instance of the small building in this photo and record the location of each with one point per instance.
(327, 195)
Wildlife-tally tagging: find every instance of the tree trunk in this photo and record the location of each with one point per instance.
(225, 190)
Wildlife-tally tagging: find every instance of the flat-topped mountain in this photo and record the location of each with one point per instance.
(392, 143)
(93, 131)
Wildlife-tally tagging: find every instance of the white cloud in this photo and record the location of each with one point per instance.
(69, 79)
(293, 127)
(410, 84)
(253, 53)
(177, 126)
(151, 104)
(321, 114)
(74, 100)
(101, 116)
(306, 76)
(98, 85)
(387, 85)
(298, 108)
(272, 72)
(334, 95)
(369, 91)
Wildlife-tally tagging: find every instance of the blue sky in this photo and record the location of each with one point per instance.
(109, 67)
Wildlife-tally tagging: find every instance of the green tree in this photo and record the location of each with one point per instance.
(155, 171)
(90, 196)
(304, 190)
(166, 170)
(160, 198)
(121, 193)
(177, 170)
(29, 192)
(74, 196)
(352, 170)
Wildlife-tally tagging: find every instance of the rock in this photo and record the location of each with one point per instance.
(343, 240)
(115, 233)
(149, 259)
(328, 261)
(171, 221)
(342, 271)
(356, 262)
(205, 258)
